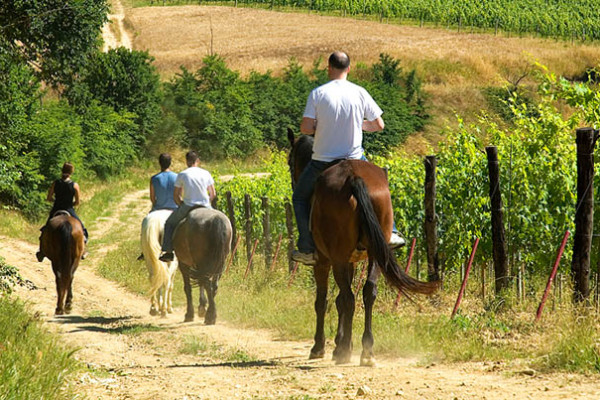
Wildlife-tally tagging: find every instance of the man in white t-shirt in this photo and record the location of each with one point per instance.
(194, 187)
(336, 114)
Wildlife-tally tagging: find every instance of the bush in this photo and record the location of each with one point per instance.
(56, 138)
(108, 139)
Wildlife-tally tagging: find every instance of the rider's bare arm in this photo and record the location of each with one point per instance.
(177, 195)
(308, 126)
(77, 194)
(211, 192)
(152, 194)
(50, 196)
(373, 126)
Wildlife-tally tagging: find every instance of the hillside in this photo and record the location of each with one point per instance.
(454, 66)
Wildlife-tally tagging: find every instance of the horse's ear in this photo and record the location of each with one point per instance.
(291, 136)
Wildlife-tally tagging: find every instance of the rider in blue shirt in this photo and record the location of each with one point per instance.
(162, 186)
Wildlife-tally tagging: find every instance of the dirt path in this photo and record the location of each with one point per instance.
(113, 32)
(150, 365)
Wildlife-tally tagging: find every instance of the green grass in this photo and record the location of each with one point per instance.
(33, 365)
(199, 346)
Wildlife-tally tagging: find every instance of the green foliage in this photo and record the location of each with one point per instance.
(227, 116)
(559, 19)
(56, 138)
(125, 80)
(57, 36)
(501, 101)
(32, 365)
(108, 139)
(19, 95)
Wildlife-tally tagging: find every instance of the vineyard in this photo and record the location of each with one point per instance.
(547, 18)
(538, 176)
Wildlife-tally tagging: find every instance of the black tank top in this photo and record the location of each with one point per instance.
(64, 192)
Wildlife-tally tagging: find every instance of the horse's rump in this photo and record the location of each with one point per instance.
(63, 241)
(336, 223)
(202, 240)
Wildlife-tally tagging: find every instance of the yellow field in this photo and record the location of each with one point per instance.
(454, 66)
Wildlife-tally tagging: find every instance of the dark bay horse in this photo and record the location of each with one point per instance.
(202, 241)
(351, 220)
(63, 243)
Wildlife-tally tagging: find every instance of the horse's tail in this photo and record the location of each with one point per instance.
(378, 247)
(151, 239)
(214, 260)
(65, 232)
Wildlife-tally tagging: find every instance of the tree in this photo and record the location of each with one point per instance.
(125, 80)
(55, 36)
(19, 95)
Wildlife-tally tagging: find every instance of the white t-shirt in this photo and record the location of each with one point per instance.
(340, 107)
(195, 182)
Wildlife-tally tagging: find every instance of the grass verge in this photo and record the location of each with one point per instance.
(33, 365)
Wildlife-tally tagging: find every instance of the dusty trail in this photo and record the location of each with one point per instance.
(149, 365)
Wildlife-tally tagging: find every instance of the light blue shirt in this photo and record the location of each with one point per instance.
(164, 186)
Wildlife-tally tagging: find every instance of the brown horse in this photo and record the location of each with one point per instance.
(202, 241)
(351, 220)
(63, 243)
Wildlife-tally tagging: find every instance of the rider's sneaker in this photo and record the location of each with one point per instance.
(304, 258)
(39, 255)
(84, 254)
(166, 257)
(396, 241)
(140, 257)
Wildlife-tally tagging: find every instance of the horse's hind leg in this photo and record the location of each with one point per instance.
(202, 302)
(211, 291)
(60, 293)
(154, 304)
(367, 357)
(69, 301)
(187, 288)
(344, 302)
(321, 273)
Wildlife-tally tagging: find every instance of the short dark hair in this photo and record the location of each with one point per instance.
(67, 169)
(339, 60)
(191, 157)
(164, 160)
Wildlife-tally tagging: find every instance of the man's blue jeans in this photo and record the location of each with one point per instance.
(301, 200)
(176, 216)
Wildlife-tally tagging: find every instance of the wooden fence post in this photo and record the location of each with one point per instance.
(231, 215)
(433, 273)
(248, 215)
(267, 231)
(584, 214)
(499, 243)
(290, 234)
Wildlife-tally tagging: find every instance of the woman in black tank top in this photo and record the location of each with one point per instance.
(65, 195)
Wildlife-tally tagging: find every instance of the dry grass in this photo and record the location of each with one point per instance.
(453, 65)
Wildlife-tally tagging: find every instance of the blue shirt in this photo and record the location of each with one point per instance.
(164, 185)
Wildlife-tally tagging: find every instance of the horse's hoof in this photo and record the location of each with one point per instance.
(201, 312)
(170, 310)
(188, 319)
(210, 321)
(163, 314)
(316, 354)
(153, 312)
(367, 361)
(58, 312)
(343, 358)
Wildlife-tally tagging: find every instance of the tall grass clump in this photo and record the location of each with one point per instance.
(33, 364)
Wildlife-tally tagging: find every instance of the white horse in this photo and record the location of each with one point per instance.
(161, 274)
